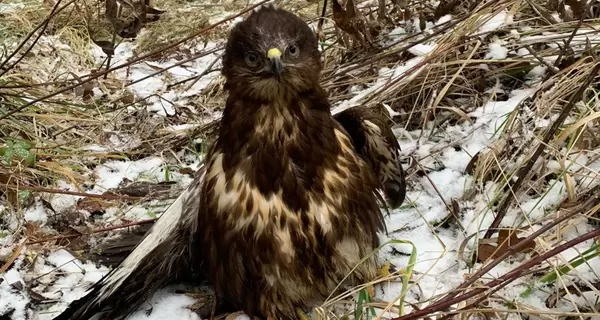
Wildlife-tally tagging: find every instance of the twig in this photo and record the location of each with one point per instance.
(442, 28)
(70, 236)
(553, 70)
(322, 18)
(204, 72)
(196, 56)
(522, 174)
(207, 70)
(74, 193)
(435, 188)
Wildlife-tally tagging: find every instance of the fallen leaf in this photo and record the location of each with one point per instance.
(108, 47)
(93, 206)
(506, 239)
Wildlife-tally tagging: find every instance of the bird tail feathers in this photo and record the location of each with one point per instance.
(164, 255)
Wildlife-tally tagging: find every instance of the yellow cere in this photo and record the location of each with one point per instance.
(273, 52)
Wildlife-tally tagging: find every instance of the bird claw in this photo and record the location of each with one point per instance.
(234, 315)
(301, 314)
(384, 270)
(371, 291)
(204, 300)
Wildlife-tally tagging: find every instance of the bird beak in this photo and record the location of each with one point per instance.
(274, 56)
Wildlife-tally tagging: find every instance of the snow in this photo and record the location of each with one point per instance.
(36, 213)
(147, 83)
(9, 300)
(166, 305)
(495, 22)
(497, 50)
(60, 276)
(111, 174)
(6, 8)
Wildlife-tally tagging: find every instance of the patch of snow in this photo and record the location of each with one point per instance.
(537, 72)
(535, 208)
(154, 89)
(166, 304)
(422, 49)
(443, 19)
(386, 75)
(61, 202)
(496, 22)
(443, 156)
(76, 276)
(111, 174)
(496, 50)
(36, 213)
(8, 8)
(12, 299)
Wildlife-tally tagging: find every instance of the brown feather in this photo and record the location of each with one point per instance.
(374, 140)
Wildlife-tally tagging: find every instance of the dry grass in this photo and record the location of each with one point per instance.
(50, 141)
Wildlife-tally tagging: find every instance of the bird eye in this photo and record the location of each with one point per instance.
(293, 50)
(251, 59)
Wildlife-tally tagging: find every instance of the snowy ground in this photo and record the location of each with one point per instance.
(58, 278)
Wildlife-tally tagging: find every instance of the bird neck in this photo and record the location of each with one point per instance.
(275, 143)
(278, 123)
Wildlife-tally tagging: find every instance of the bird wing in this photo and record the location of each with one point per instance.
(164, 255)
(374, 140)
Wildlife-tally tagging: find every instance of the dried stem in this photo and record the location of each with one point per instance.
(73, 193)
(43, 26)
(70, 236)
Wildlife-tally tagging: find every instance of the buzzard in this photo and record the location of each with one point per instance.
(287, 202)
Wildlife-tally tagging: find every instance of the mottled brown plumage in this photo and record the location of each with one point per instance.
(288, 208)
(286, 204)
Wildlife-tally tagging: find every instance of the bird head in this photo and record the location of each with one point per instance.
(272, 53)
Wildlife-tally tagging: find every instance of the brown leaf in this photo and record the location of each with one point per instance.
(128, 98)
(88, 91)
(11, 195)
(485, 252)
(471, 165)
(422, 21)
(108, 47)
(93, 206)
(131, 29)
(186, 170)
(351, 21)
(506, 239)
(48, 3)
(455, 206)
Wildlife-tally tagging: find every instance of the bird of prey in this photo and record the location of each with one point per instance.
(287, 202)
